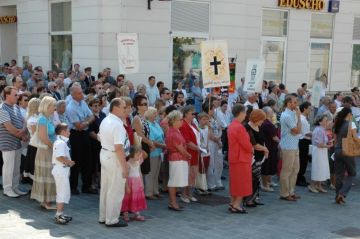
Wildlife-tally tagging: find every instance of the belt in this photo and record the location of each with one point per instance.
(108, 150)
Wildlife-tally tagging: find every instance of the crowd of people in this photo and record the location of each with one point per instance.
(135, 145)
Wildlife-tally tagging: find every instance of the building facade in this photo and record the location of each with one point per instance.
(300, 40)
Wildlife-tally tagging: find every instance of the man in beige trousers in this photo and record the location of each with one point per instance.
(289, 143)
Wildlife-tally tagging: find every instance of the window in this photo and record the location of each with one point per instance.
(61, 38)
(186, 60)
(190, 24)
(274, 38)
(320, 47)
(355, 69)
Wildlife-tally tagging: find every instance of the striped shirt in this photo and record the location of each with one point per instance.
(9, 113)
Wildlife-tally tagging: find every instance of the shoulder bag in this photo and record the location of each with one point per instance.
(350, 146)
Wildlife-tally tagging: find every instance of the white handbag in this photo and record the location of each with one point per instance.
(201, 182)
(35, 140)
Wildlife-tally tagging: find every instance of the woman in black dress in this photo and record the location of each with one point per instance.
(256, 119)
(269, 166)
(142, 129)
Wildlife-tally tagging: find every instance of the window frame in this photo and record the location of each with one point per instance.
(322, 41)
(58, 33)
(283, 39)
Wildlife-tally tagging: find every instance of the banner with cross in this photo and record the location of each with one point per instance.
(215, 64)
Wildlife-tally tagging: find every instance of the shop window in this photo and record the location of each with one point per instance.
(186, 61)
(274, 23)
(321, 26)
(274, 38)
(61, 38)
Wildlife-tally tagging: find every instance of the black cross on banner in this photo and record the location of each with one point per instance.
(215, 63)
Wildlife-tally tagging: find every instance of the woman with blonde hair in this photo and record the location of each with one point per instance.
(43, 188)
(178, 158)
(31, 120)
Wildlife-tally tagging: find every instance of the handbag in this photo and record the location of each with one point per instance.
(201, 182)
(350, 146)
(35, 140)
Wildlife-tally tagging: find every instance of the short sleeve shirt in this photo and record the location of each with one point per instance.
(48, 123)
(173, 138)
(60, 149)
(288, 121)
(112, 132)
(9, 113)
(156, 134)
(77, 112)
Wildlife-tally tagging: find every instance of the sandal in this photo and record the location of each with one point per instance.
(139, 218)
(237, 210)
(46, 207)
(288, 198)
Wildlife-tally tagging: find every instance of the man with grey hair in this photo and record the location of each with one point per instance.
(325, 102)
(252, 100)
(53, 90)
(80, 117)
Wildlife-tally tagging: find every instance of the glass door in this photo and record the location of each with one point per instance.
(320, 55)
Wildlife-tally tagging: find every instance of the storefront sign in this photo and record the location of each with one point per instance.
(254, 75)
(334, 6)
(215, 64)
(315, 5)
(8, 19)
(128, 52)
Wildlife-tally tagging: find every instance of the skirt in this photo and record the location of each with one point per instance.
(178, 174)
(320, 170)
(43, 188)
(30, 162)
(134, 199)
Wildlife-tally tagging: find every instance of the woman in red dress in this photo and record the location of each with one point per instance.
(240, 158)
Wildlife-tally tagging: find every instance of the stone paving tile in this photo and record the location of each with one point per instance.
(314, 216)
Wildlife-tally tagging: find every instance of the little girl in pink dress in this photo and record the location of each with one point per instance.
(134, 199)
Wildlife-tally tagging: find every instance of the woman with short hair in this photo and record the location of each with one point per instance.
(240, 157)
(43, 188)
(261, 152)
(156, 155)
(178, 158)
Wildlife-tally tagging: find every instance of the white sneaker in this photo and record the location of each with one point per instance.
(185, 200)
(193, 199)
(19, 192)
(11, 194)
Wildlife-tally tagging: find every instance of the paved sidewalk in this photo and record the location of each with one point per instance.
(314, 216)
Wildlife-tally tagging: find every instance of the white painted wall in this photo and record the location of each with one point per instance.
(8, 36)
(95, 23)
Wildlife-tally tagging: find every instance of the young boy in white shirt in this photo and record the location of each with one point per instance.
(61, 171)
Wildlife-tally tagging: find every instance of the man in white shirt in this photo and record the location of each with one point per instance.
(304, 143)
(251, 100)
(114, 169)
(152, 91)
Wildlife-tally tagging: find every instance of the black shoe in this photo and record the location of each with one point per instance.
(250, 205)
(223, 178)
(119, 224)
(67, 217)
(75, 192)
(90, 191)
(101, 222)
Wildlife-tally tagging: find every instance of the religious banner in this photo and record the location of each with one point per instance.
(128, 52)
(215, 64)
(317, 92)
(254, 75)
(232, 87)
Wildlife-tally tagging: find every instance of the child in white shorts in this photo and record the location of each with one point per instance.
(61, 171)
